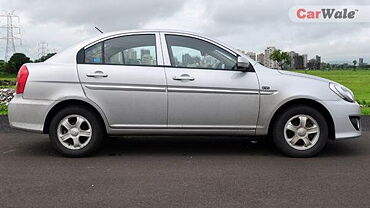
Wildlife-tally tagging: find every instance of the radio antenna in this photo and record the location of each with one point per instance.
(99, 30)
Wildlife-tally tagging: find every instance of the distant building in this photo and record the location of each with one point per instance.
(311, 64)
(360, 62)
(318, 62)
(299, 62)
(314, 63)
(293, 59)
(145, 57)
(305, 61)
(261, 58)
(252, 55)
(130, 56)
(268, 62)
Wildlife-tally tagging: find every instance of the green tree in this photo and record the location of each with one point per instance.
(2, 66)
(281, 57)
(15, 62)
(354, 65)
(46, 57)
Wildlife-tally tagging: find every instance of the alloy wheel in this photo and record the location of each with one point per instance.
(301, 132)
(74, 132)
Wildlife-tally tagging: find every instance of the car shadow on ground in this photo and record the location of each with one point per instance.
(213, 146)
(190, 145)
(39, 145)
(30, 143)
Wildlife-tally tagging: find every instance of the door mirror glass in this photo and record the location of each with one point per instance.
(243, 63)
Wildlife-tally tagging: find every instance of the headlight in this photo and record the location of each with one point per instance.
(342, 92)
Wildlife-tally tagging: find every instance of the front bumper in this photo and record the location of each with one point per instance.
(28, 114)
(341, 112)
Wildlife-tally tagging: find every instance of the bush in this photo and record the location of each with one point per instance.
(15, 62)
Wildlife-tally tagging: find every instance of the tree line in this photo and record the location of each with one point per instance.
(17, 60)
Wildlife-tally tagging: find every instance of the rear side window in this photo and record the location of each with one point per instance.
(131, 50)
(125, 50)
(94, 54)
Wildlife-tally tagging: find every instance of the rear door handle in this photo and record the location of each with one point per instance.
(97, 74)
(184, 77)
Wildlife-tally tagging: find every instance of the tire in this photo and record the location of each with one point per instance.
(83, 136)
(295, 139)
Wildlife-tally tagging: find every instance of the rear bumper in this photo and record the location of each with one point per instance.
(341, 112)
(28, 114)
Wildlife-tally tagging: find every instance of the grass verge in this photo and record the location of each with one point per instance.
(3, 109)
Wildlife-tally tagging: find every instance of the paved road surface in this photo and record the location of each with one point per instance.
(181, 172)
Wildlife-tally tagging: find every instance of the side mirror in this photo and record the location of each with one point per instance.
(243, 64)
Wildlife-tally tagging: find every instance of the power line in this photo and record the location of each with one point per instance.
(11, 31)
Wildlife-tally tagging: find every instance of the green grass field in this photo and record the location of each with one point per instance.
(5, 76)
(358, 81)
(3, 109)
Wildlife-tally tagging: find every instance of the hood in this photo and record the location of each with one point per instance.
(303, 75)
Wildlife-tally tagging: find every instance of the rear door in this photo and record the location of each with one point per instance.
(205, 89)
(125, 76)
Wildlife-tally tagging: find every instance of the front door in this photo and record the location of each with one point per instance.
(205, 90)
(125, 77)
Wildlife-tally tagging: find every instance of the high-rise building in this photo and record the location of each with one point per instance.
(305, 61)
(261, 58)
(318, 62)
(293, 59)
(146, 58)
(314, 63)
(360, 62)
(299, 62)
(268, 62)
(132, 54)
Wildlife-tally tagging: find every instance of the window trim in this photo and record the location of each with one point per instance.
(81, 53)
(169, 51)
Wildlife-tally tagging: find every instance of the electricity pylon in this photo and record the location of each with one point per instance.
(11, 31)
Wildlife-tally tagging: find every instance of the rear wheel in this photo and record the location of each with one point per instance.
(76, 132)
(301, 131)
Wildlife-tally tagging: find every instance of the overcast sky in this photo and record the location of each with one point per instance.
(245, 24)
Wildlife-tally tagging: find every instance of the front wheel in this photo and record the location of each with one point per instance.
(301, 131)
(76, 132)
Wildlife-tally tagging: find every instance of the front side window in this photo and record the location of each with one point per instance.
(190, 52)
(131, 50)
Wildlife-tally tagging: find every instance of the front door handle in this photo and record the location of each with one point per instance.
(97, 74)
(184, 77)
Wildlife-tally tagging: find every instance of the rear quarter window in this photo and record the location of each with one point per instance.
(94, 54)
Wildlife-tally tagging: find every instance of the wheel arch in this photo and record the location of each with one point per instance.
(309, 102)
(70, 102)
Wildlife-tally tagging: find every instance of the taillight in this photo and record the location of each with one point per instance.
(21, 79)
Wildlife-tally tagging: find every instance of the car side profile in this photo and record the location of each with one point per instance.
(149, 82)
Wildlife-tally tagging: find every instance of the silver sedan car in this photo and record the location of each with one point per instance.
(156, 82)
